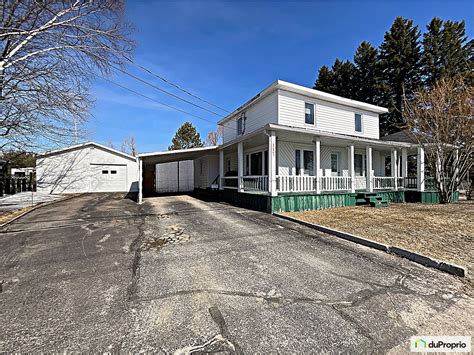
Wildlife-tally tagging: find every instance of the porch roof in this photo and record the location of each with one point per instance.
(317, 133)
(176, 155)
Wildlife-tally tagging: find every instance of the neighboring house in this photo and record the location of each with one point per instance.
(87, 167)
(290, 141)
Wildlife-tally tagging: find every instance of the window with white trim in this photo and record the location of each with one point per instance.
(239, 126)
(308, 113)
(358, 122)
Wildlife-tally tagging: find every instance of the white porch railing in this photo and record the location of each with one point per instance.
(384, 183)
(230, 182)
(335, 183)
(255, 183)
(296, 183)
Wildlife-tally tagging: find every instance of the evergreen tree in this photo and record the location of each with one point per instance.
(367, 86)
(445, 51)
(344, 74)
(186, 137)
(432, 51)
(338, 79)
(400, 61)
(324, 81)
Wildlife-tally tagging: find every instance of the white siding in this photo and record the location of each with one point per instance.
(258, 115)
(329, 117)
(206, 170)
(75, 171)
(286, 159)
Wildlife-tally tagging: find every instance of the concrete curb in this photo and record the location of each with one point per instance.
(407, 254)
(35, 207)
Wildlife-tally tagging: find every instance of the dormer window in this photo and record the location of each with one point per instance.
(309, 113)
(358, 122)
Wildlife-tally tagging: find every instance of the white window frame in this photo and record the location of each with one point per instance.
(361, 122)
(314, 114)
(240, 126)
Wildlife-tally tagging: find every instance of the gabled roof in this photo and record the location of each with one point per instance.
(84, 145)
(298, 89)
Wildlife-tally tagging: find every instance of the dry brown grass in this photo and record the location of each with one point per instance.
(8, 216)
(444, 232)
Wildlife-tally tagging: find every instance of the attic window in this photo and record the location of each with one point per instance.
(105, 171)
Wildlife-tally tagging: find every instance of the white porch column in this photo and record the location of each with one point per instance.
(394, 168)
(240, 166)
(140, 181)
(221, 169)
(272, 183)
(404, 162)
(350, 168)
(368, 175)
(420, 165)
(317, 163)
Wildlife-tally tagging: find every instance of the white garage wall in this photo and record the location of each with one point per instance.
(73, 171)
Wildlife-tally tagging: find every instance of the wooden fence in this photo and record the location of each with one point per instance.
(10, 185)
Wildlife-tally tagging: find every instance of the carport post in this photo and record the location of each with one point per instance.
(221, 169)
(240, 166)
(140, 181)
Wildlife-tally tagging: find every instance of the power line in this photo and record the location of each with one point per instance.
(164, 91)
(174, 85)
(159, 102)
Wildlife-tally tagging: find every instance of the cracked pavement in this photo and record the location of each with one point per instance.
(178, 275)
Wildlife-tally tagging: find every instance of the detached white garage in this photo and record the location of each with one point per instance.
(88, 167)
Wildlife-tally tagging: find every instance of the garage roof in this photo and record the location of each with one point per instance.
(176, 155)
(84, 145)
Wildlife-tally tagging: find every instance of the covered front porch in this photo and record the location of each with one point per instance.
(284, 160)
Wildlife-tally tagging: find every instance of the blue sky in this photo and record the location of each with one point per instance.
(227, 51)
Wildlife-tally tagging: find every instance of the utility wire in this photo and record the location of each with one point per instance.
(164, 91)
(173, 84)
(159, 102)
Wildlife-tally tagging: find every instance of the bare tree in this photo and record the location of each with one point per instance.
(49, 52)
(214, 137)
(442, 121)
(129, 146)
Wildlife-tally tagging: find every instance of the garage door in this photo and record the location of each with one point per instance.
(108, 178)
(175, 177)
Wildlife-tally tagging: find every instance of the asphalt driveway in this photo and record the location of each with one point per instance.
(99, 273)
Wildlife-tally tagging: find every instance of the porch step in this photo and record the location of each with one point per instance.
(371, 198)
(383, 203)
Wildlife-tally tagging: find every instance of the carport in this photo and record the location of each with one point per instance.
(176, 171)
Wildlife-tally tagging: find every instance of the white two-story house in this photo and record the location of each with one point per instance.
(300, 148)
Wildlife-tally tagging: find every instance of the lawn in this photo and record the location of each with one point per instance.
(444, 232)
